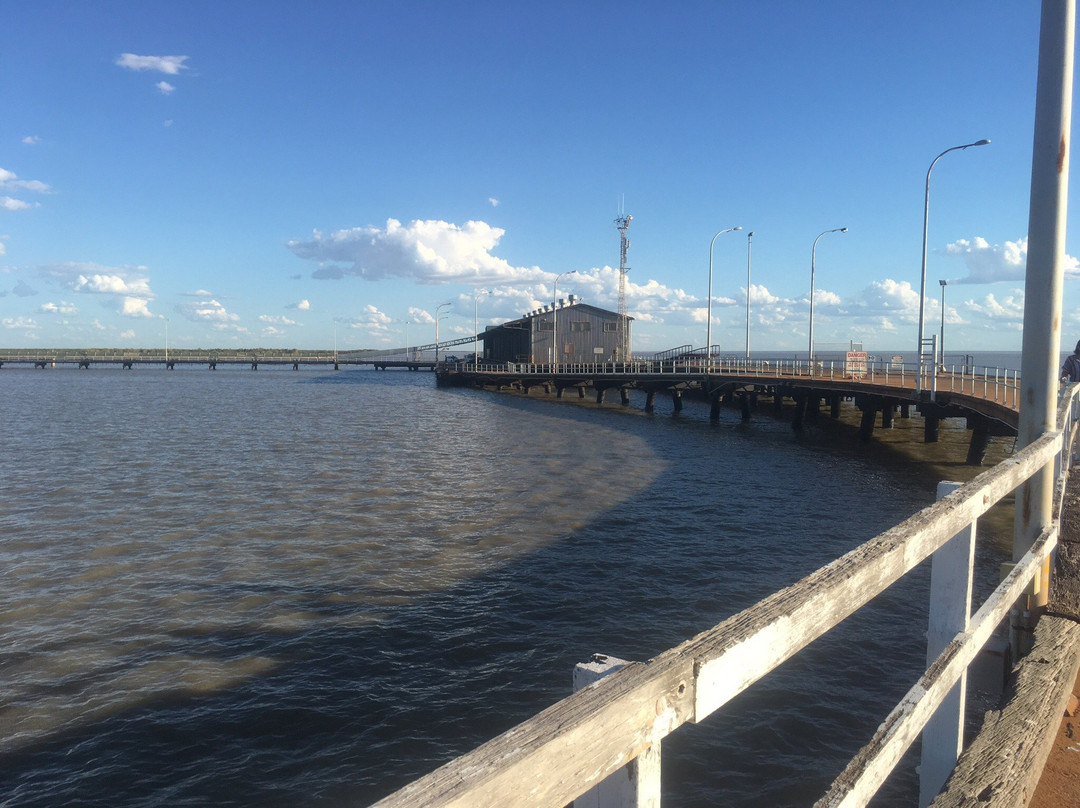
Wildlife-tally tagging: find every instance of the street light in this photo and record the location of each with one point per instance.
(407, 340)
(749, 238)
(925, 229)
(708, 327)
(554, 318)
(166, 342)
(440, 306)
(941, 343)
(813, 262)
(476, 330)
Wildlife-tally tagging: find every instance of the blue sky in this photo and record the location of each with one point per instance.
(286, 174)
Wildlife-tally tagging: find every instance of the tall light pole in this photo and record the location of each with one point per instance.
(708, 327)
(555, 320)
(941, 342)
(407, 340)
(749, 239)
(440, 306)
(813, 264)
(166, 342)
(476, 330)
(925, 231)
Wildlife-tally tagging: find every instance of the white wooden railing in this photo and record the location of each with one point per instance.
(575, 744)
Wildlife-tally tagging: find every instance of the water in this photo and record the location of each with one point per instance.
(276, 588)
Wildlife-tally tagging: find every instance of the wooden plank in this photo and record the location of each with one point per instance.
(862, 777)
(736, 653)
(558, 754)
(1002, 766)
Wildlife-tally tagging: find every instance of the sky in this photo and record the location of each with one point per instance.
(316, 174)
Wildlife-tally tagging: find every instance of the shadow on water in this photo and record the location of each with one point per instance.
(353, 712)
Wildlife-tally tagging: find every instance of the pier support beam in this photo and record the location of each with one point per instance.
(600, 394)
(800, 412)
(581, 391)
(624, 395)
(887, 412)
(834, 407)
(980, 440)
(676, 400)
(714, 408)
(866, 425)
(744, 405)
(650, 401)
(931, 426)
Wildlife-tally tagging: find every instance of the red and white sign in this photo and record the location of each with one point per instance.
(855, 363)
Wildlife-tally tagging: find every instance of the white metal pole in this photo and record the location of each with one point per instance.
(925, 233)
(708, 327)
(813, 262)
(1045, 264)
(555, 320)
(749, 239)
(941, 342)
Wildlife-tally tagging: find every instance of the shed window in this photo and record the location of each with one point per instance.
(611, 328)
(584, 325)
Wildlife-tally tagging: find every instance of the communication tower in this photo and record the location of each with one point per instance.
(623, 352)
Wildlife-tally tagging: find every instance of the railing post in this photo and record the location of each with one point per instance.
(951, 574)
(635, 785)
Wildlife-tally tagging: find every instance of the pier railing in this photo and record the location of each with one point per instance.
(603, 729)
(1000, 385)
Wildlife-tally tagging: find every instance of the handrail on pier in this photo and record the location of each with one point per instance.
(559, 754)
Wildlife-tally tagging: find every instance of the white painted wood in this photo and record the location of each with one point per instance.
(951, 577)
(635, 785)
(858, 783)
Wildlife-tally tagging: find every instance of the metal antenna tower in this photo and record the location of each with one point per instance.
(623, 352)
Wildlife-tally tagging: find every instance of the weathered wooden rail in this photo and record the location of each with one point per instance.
(575, 744)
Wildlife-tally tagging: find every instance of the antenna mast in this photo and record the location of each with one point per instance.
(623, 351)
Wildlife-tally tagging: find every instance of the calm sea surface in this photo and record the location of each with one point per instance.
(275, 588)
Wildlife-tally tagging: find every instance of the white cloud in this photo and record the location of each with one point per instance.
(1009, 310)
(274, 319)
(127, 288)
(424, 251)
(420, 316)
(31, 140)
(129, 334)
(493, 202)
(58, 308)
(165, 88)
(19, 322)
(170, 65)
(303, 305)
(7, 203)
(207, 310)
(993, 263)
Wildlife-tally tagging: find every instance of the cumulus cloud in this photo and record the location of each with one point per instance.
(888, 298)
(164, 87)
(1008, 311)
(374, 323)
(170, 65)
(994, 263)
(31, 140)
(303, 305)
(275, 319)
(25, 323)
(58, 308)
(493, 202)
(10, 183)
(126, 288)
(420, 316)
(207, 310)
(8, 203)
(430, 252)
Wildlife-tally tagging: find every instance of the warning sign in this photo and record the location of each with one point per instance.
(855, 363)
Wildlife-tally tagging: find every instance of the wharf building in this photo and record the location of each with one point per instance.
(566, 332)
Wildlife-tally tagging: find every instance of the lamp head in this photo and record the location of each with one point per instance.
(736, 228)
(751, 233)
(944, 283)
(981, 142)
(843, 229)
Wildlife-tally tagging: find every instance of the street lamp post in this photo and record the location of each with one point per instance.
(941, 342)
(440, 306)
(708, 326)
(813, 266)
(555, 320)
(476, 330)
(749, 239)
(166, 343)
(925, 230)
